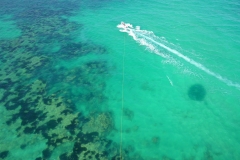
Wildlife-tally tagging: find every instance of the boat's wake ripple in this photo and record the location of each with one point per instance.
(158, 45)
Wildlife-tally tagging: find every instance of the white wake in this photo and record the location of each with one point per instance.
(158, 45)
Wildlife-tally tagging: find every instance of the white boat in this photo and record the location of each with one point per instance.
(125, 25)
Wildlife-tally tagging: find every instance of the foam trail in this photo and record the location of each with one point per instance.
(170, 81)
(148, 41)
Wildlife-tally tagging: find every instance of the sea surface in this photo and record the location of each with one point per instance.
(74, 86)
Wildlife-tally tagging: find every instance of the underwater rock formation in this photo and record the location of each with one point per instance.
(44, 101)
(4, 154)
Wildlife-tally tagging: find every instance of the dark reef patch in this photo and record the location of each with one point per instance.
(196, 92)
(29, 72)
(63, 156)
(28, 130)
(72, 50)
(4, 154)
(23, 146)
(46, 153)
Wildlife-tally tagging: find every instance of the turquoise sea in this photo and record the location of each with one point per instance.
(74, 86)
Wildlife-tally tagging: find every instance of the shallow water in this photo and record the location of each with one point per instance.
(74, 87)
